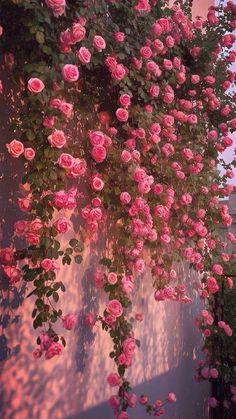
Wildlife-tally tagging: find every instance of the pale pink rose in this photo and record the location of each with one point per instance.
(99, 43)
(37, 353)
(69, 321)
(35, 85)
(77, 32)
(115, 308)
(70, 73)
(62, 225)
(171, 398)
(54, 349)
(66, 161)
(112, 278)
(46, 264)
(125, 197)
(15, 148)
(122, 115)
(97, 183)
(99, 153)
(84, 55)
(195, 78)
(140, 265)
(125, 100)
(57, 139)
(114, 379)
(29, 153)
(119, 72)
(192, 119)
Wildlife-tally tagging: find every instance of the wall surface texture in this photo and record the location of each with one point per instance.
(73, 386)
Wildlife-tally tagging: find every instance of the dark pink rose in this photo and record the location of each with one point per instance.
(99, 153)
(54, 349)
(115, 308)
(122, 115)
(35, 85)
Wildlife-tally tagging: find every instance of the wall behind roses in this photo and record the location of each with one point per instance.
(74, 385)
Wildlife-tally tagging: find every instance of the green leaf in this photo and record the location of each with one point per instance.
(73, 242)
(78, 259)
(55, 296)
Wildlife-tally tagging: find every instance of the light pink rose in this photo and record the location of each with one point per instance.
(57, 139)
(84, 55)
(77, 32)
(99, 43)
(35, 85)
(115, 308)
(62, 225)
(97, 183)
(122, 115)
(119, 72)
(70, 73)
(125, 197)
(15, 148)
(29, 153)
(69, 321)
(125, 100)
(79, 167)
(112, 278)
(66, 161)
(171, 398)
(99, 153)
(54, 349)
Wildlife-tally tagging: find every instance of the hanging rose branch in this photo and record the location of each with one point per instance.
(148, 88)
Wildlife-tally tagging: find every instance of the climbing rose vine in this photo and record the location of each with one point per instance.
(126, 105)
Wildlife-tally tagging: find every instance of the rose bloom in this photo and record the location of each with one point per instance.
(125, 100)
(89, 319)
(29, 153)
(79, 167)
(66, 161)
(15, 148)
(70, 73)
(115, 308)
(66, 109)
(125, 197)
(46, 264)
(54, 349)
(84, 55)
(119, 72)
(77, 33)
(57, 139)
(217, 269)
(99, 153)
(112, 278)
(99, 43)
(97, 183)
(96, 138)
(62, 225)
(37, 353)
(114, 379)
(69, 321)
(122, 115)
(171, 397)
(35, 85)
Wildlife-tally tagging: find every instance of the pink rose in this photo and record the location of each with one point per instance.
(195, 78)
(114, 379)
(125, 100)
(35, 85)
(14, 274)
(119, 72)
(66, 109)
(37, 353)
(54, 349)
(217, 269)
(99, 153)
(125, 197)
(77, 33)
(171, 398)
(66, 161)
(15, 148)
(119, 36)
(57, 139)
(79, 167)
(122, 115)
(97, 183)
(99, 43)
(126, 156)
(62, 225)
(89, 319)
(69, 321)
(6, 255)
(46, 264)
(70, 73)
(112, 278)
(84, 55)
(29, 153)
(57, 6)
(213, 402)
(96, 138)
(146, 52)
(115, 308)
